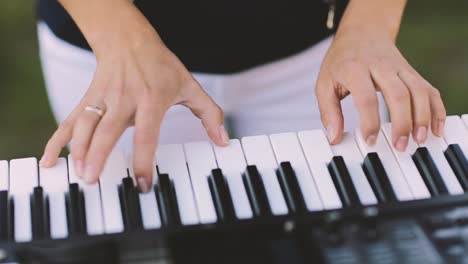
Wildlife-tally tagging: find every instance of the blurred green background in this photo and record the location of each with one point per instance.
(434, 38)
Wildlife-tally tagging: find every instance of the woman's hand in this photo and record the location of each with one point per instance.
(136, 81)
(364, 59)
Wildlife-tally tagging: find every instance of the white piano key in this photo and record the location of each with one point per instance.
(57, 215)
(23, 179)
(232, 162)
(4, 181)
(22, 221)
(455, 132)
(201, 161)
(54, 179)
(111, 177)
(171, 160)
(287, 148)
(394, 173)
(148, 205)
(92, 200)
(149, 210)
(410, 171)
(353, 159)
(436, 147)
(318, 154)
(465, 120)
(54, 182)
(258, 152)
(23, 175)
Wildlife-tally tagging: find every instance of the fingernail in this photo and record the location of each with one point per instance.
(43, 160)
(421, 134)
(142, 184)
(79, 168)
(89, 173)
(440, 128)
(331, 133)
(224, 135)
(401, 143)
(371, 140)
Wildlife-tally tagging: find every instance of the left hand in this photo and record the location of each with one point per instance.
(363, 61)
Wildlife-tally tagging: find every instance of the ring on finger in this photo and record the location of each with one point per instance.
(95, 109)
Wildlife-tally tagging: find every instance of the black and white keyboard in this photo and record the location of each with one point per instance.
(263, 198)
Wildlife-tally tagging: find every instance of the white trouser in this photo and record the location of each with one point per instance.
(271, 98)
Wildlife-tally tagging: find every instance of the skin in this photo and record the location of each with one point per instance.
(138, 79)
(364, 59)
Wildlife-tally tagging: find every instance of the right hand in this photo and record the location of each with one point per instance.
(136, 81)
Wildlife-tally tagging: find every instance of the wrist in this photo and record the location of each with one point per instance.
(111, 24)
(377, 17)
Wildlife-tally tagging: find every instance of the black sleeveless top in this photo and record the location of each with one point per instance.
(220, 36)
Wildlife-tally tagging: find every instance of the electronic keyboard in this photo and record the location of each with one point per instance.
(283, 198)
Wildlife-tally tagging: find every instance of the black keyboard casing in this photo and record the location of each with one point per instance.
(374, 234)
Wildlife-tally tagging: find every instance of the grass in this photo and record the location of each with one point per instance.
(433, 37)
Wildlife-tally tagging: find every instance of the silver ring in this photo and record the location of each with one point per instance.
(95, 109)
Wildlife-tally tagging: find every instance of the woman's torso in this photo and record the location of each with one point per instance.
(221, 36)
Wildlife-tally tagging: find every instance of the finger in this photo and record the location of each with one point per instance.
(60, 138)
(82, 133)
(147, 124)
(397, 97)
(419, 91)
(106, 134)
(64, 133)
(211, 115)
(54, 146)
(365, 98)
(330, 110)
(438, 111)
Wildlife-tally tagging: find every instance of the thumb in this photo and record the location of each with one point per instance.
(210, 114)
(330, 110)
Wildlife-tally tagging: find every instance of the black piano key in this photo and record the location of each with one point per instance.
(378, 178)
(221, 196)
(290, 188)
(167, 201)
(39, 214)
(76, 215)
(4, 215)
(343, 182)
(429, 172)
(458, 163)
(130, 205)
(11, 219)
(47, 218)
(256, 191)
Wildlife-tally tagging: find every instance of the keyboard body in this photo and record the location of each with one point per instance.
(284, 198)
(433, 231)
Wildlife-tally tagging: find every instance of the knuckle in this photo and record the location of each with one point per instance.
(400, 96)
(66, 125)
(435, 92)
(321, 90)
(369, 100)
(440, 114)
(50, 146)
(78, 152)
(326, 116)
(118, 97)
(370, 129)
(106, 128)
(422, 121)
(78, 149)
(403, 129)
(144, 138)
(219, 112)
